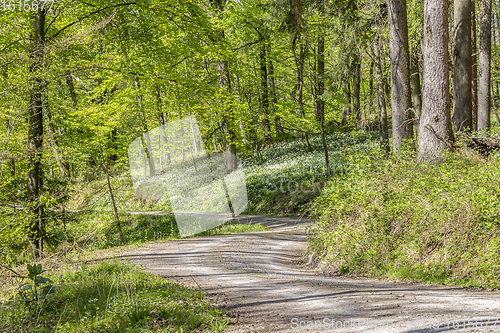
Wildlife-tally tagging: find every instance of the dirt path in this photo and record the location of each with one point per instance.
(261, 279)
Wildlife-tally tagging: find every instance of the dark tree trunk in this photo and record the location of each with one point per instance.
(462, 70)
(400, 73)
(35, 132)
(474, 66)
(346, 98)
(300, 62)
(372, 91)
(71, 87)
(264, 94)
(416, 91)
(484, 67)
(382, 109)
(435, 132)
(356, 87)
(115, 210)
(272, 90)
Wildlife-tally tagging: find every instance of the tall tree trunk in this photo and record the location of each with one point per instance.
(300, 62)
(462, 70)
(416, 91)
(382, 109)
(435, 132)
(356, 87)
(272, 90)
(115, 210)
(372, 91)
(63, 166)
(484, 67)
(224, 82)
(35, 132)
(320, 103)
(346, 98)
(264, 94)
(71, 87)
(400, 73)
(473, 66)
(146, 142)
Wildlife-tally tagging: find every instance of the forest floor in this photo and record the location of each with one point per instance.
(268, 286)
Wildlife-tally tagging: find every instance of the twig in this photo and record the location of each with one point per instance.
(447, 142)
(196, 282)
(13, 271)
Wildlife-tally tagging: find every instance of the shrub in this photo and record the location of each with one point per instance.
(396, 218)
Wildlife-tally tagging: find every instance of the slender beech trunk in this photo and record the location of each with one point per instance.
(146, 142)
(416, 91)
(484, 67)
(346, 98)
(372, 91)
(473, 66)
(320, 103)
(35, 132)
(71, 88)
(462, 66)
(400, 73)
(63, 166)
(115, 210)
(300, 62)
(382, 109)
(356, 87)
(435, 132)
(264, 94)
(272, 91)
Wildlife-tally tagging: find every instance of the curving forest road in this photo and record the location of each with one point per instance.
(267, 288)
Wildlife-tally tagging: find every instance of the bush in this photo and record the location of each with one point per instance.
(399, 219)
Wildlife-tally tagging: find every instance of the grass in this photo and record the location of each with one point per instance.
(111, 296)
(394, 218)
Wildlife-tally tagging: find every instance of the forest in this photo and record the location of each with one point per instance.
(390, 106)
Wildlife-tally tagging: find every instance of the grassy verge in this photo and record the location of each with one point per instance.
(90, 231)
(398, 219)
(111, 296)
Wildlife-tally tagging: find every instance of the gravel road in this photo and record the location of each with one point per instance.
(262, 279)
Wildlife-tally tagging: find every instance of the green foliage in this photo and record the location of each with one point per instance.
(38, 288)
(425, 222)
(112, 296)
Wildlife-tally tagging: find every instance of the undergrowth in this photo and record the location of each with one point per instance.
(395, 218)
(111, 296)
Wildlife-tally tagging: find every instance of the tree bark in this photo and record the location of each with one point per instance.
(372, 91)
(272, 90)
(300, 62)
(382, 110)
(356, 87)
(400, 73)
(484, 67)
(71, 87)
(115, 210)
(63, 166)
(146, 142)
(435, 132)
(346, 98)
(462, 66)
(473, 66)
(416, 91)
(264, 94)
(35, 132)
